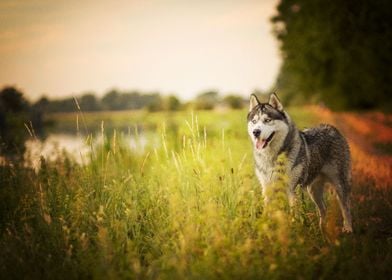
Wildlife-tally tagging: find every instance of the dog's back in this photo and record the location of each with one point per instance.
(327, 148)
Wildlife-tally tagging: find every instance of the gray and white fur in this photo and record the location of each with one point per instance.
(316, 156)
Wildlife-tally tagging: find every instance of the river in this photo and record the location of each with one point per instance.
(77, 147)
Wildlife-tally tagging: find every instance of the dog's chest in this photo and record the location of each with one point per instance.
(264, 167)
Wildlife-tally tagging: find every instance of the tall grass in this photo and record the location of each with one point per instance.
(186, 206)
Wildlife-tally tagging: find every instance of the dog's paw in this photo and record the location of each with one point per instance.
(347, 229)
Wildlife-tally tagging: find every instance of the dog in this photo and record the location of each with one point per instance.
(315, 156)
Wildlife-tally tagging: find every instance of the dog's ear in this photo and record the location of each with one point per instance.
(275, 102)
(253, 102)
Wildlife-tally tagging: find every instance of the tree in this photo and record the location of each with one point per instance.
(63, 105)
(207, 100)
(337, 52)
(88, 102)
(14, 113)
(111, 100)
(153, 102)
(12, 100)
(172, 103)
(42, 104)
(234, 101)
(131, 100)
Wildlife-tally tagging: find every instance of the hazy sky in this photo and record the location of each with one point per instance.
(63, 47)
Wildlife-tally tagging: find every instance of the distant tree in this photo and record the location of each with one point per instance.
(12, 100)
(62, 105)
(234, 101)
(131, 100)
(153, 102)
(111, 100)
(14, 114)
(172, 103)
(207, 100)
(37, 112)
(89, 102)
(42, 104)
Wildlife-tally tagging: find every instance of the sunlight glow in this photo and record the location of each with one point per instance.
(182, 47)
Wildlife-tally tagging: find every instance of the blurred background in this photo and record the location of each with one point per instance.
(62, 57)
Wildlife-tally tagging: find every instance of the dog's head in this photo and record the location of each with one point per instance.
(267, 122)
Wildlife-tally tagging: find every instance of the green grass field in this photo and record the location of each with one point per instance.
(186, 206)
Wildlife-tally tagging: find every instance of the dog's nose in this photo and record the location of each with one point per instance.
(256, 132)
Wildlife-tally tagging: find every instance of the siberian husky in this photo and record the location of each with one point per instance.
(315, 156)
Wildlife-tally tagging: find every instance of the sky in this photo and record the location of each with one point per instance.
(183, 47)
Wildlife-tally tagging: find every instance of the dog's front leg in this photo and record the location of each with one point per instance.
(294, 175)
(291, 197)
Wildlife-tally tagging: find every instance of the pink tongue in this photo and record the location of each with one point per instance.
(260, 144)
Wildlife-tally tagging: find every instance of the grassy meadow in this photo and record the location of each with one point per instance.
(187, 205)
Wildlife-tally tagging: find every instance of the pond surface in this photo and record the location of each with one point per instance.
(77, 147)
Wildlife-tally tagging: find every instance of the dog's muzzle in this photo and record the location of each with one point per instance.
(256, 132)
(262, 143)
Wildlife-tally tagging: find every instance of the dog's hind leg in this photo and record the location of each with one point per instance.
(342, 194)
(316, 193)
(341, 184)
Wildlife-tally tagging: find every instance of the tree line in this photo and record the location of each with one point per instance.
(13, 100)
(336, 52)
(115, 100)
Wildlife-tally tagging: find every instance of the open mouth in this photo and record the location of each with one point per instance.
(262, 143)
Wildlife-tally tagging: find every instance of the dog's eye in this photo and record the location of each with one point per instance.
(267, 120)
(254, 121)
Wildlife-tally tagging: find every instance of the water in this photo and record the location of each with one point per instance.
(75, 146)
